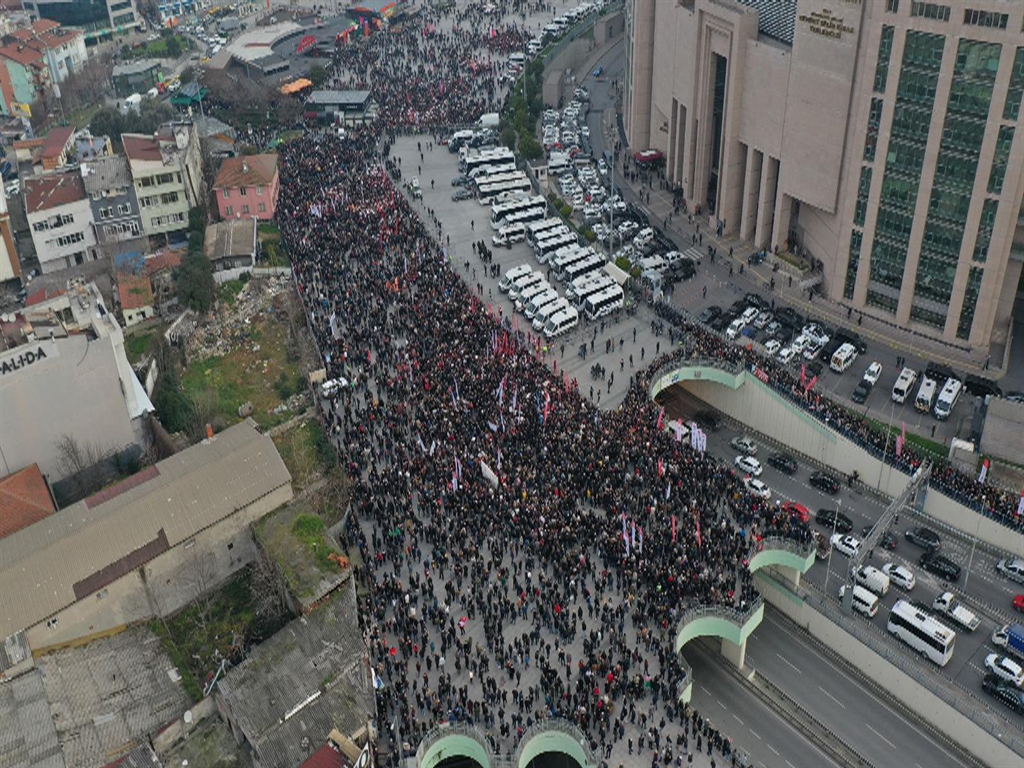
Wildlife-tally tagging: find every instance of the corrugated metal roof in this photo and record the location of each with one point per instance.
(196, 488)
(775, 18)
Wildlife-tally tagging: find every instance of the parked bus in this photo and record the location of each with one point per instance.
(560, 323)
(500, 211)
(582, 288)
(605, 303)
(537, 229)
(546, 247)
(473, 160)
(563, 256)
(488, 192)
(583, 267)
(922, 633)
(525, 217)
(482, 172)
(550, 234)
(540, 319)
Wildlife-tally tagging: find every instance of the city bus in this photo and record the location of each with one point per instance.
(473, 160)
(585, 266)
(552, 244)
(548, 235)
(490, 191)
(604, 303)
(527, 216)
(536, 230)
(501, 211)
(921, 632)
(584, 287)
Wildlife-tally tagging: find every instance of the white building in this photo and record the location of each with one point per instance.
(168, 175)
(60, 218)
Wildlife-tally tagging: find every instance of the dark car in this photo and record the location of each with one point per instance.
(783, 462)
(753, 300)
(861, 391)
(738, 306)
(461, 180)
(790, 316)
(844, 336)
(825, 482)
(785, 333)
(683, 270)
(814, 368)
(1004, 690)
(924, 537)
(825, 355)
(708, 420)
(980, 386)
(724, 320)
(941, 566)
(832, 518)
(709, 314)
(461, 194)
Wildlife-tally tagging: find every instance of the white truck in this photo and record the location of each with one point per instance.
(949, 605)
(489, 120)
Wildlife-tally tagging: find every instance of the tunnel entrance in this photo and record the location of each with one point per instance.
(553, 760)
(459, 762)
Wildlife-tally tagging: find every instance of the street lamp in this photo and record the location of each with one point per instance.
(828, 566)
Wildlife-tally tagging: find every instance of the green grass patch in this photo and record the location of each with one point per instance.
(295, 540)
(138, 345)
(309, 529)
(935, 449)
(228, 291)
(306, 451)
(217, 626)
(792, 260)
(268, 230)
(157, 49)
(274, 255)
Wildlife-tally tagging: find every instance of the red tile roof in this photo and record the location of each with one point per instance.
(247, 171)
(22, 54)
(24, 500)
(56, 141)
(139, 147)
(42, 295)
(45, 192)
(162, 261)
(327, 757)
(134, 291)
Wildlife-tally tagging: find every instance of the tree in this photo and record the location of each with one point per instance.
(317, 75)
(173, 46)
(529, 148)
(188, 74)
(508, 136)
(196, 287)
(172, 404)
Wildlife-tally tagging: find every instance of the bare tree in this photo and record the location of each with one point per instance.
(266, 587)
(201, 578)
(81, 463)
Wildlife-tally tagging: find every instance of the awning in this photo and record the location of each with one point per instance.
(617, 274)
(295, 86)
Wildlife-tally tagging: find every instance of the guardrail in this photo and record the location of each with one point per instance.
(561, 725)
(735, 615)
(879, 642)
(445, 730)
(801, 548)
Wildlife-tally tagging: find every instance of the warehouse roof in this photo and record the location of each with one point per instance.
(55, 562)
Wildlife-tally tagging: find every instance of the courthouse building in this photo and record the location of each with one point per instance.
(882, 137)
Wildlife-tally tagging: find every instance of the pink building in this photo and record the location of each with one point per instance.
(247, 187)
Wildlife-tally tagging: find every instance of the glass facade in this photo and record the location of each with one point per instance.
(963, 327)
(970, 98)
(915, 98)
(884, 52)
(874, 120)
(87, 14)
(1000, 159)
(985, 226)
(863, 190)
(717, 122)
(1013, 95)
(856, 240)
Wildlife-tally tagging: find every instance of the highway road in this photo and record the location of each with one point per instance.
(984, 587)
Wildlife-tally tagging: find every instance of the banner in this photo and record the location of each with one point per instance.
(984, 471)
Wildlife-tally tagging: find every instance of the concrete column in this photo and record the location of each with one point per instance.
(638, 118)
(790, 575)
(783, 216)
(751, 193)
(734, 171)
(766, 201)
(737, 654)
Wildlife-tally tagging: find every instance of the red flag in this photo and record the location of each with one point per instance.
(661, 468)
(674, 519)
(696, 517)
(810, 384)
(661, 415)
(901, 440)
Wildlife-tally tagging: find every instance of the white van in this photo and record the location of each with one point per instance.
(533, 47)
(548, 311)
(539, 301)
(527, 294)
(523, 282)
(905, 382)
(517, 59)
(843, 358)
(513, 274)
(925, 396)
(948, 398)
(561, 323)
(513, 233)
(558, 163)
(873, 579)
(552, 31)
(864, 601)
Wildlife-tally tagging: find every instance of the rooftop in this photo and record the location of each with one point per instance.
(352, 98)
(236, 237)
(775, 18)
(57, 561)
(105, 173)
(30, 737)
(140, 147)
(246, 171)
(134, 291)
(43, 193)
(24, 500)
(139, 67)
(311, 677)
(56, 141)
(163, 260)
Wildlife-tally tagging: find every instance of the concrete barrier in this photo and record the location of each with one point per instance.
(916, 697)
(558, 736)
(743, 397)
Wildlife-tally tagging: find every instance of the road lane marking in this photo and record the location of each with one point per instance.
(705, 690)
(790, 663)
(868, 726)
(773, 749)
(793, 766)
(755, 734)
(721, 704)
(739, 721)
(837, 701)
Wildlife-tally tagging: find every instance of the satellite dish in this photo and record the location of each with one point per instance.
(188, 716)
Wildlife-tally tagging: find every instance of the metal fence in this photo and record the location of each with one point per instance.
(561, 725)
(735, 615)
(801, 548)
(445, 730)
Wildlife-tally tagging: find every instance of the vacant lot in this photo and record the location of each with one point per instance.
(306, 452)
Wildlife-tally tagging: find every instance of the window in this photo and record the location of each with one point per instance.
(165, 178)
(892, 6)
(146, 181)
(229, 211)
(1013, 94)
(226, 193)
(990, 19)
(262, 207)
(41, 226)
(106, 213)
(169, 198)
(863, 190)
(245, 210)
(884, 51)
(851, 269)
(123, 209)
(1000, 160)
(874, 120)
(930, 11)
(242, 191)
(963, 328)
(66, 240)
(259, 190)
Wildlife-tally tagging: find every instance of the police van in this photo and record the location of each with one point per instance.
(925, 395)
(864, 600)
(905, 382)
(513, 274)
(948, 398)
(561, 323)
(507, 235)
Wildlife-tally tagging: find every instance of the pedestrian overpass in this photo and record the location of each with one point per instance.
(462, 744)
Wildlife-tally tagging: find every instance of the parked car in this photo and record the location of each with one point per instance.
(461, 194)
(757, 488)
(899, 575)
(941, 566)
(873, 373)
(824, 482)
(924, 537)
(708, 420)
(783, 462)
(1008, 693)
(832, 518)
(709, 314)
(786, 354)
(797, 510)
(744, 445)
(772, 347)
(1018, 603)
(861, 391)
